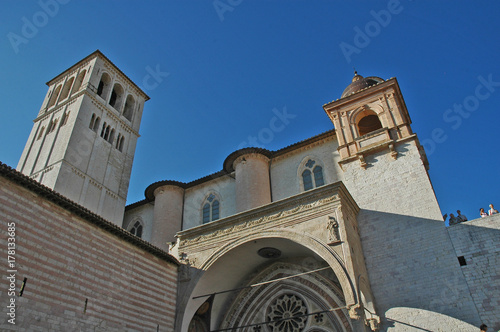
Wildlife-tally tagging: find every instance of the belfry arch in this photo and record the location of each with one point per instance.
(366, 121)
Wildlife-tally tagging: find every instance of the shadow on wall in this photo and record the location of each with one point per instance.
(410, 319)
(477, 247)
(415, 266)
(418, 279)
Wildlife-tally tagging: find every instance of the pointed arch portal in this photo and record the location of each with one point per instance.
(297, 274)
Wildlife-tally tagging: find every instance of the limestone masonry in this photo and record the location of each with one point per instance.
(339, 232)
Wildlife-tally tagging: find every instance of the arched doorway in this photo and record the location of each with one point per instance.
(289, 300)
(234, 274)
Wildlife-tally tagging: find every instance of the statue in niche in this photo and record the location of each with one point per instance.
(333, 229)
(185, 272)
(355, 311)
(374, 323)
(185, 268)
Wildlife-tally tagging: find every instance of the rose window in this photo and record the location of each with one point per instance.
(287, 314)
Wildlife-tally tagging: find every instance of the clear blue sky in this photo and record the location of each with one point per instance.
(230, 63)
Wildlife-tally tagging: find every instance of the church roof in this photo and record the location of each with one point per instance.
(359, 83)
(227, 167)
(58, 199)
(228, 163)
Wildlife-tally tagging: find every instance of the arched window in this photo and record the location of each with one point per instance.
(369, 122)
(54, 96)
(120, 147)
(67, 87)
(211, 209)
(79, 81)
(106, 132)
(312, 175)
(96, 124)
(119, 142)
(318, 176)
(92, 121)
(136, 229)
(104, 85)
(112, 100)
(52, 126)
(64, 118)
(103, 130)
(116, 96)
(215, 210)
(111, 136)
(206, 213)
(307, 179)
(40, 134)
(129, 108)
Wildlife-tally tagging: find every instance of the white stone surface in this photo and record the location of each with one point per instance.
(75, 160)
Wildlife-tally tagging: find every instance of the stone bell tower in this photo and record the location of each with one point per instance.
(371, 115)
(400, 223)
(83, 140)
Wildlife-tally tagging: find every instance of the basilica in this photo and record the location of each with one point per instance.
(338, 232)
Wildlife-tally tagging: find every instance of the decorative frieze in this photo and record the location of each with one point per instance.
(254, 223)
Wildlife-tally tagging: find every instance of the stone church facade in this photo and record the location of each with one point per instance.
(339, 232)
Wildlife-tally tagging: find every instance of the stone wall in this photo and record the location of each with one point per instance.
(414, 274)
(83, 273)
(477, 243)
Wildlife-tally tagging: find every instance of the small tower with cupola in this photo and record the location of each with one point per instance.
(83, 140)
(371, 115)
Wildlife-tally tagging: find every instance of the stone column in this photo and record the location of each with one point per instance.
(253, 187)
(169, 203)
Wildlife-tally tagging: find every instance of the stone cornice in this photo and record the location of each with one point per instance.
(360, 94)
(91, 56)
(150, 191)
(379, 147)
(243, 158)
(271, 215)
(233, 157)
(168, 188)
(273, 155)
(298, 149)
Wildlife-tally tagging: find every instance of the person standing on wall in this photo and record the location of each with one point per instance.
(492, 210)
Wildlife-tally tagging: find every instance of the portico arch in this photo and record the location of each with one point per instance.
(229, 266)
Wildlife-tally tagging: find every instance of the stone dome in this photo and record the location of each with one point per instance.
(359, 83)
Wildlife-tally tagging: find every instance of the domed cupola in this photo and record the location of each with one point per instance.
(359, 83)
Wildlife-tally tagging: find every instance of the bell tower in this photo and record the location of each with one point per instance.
(370, 116)
(385, 169)
(83, 140)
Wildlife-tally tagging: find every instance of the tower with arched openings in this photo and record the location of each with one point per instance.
(83, 139)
